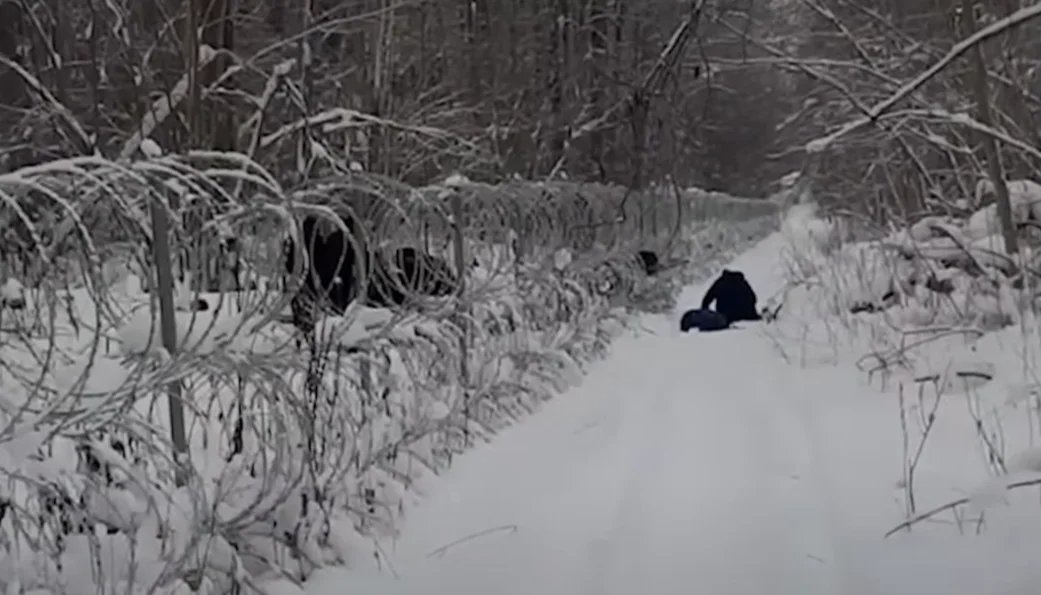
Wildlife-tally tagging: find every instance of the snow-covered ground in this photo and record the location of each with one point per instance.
(710, 464)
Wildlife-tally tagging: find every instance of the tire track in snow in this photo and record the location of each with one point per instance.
(608, 553)
(809, 502)
(554, 476)
(819, 499)
(710, 502)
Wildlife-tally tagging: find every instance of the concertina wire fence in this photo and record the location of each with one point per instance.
(284, 475)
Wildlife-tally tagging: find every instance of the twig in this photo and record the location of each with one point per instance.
(951, 505)
(439, 552)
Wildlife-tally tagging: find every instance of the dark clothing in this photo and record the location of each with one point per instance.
(734, 297)
(649, 261)
(703, 320)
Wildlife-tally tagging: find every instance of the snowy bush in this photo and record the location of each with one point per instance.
(939, 271)
(945, 319)
(294, 456)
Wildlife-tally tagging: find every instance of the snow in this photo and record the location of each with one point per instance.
(248, 514)
(1024, 197)
(202, 332)
(770, 458)
(12, 294)
(732, 463)
(151, 149)
(627, 484)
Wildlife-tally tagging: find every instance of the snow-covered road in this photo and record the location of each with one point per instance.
(706, 464)
(681, 465)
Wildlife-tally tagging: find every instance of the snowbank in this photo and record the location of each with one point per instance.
(940, 271)
(938, 319)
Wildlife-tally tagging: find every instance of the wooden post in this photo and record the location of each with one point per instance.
(165, 294)
(462, 320)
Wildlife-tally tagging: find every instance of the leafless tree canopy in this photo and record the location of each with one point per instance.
(598, 89)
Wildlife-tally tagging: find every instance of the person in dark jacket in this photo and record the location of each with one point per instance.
(733, 296)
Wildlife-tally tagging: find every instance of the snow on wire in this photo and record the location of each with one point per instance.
(283, 477)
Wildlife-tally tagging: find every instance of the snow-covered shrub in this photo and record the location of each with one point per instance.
(12, 294)
(1025, 197)
(294, 457)
(938, 272)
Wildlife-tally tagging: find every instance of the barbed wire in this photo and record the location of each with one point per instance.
(290, 447)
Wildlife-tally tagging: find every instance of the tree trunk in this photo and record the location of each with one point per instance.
(995, 170)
